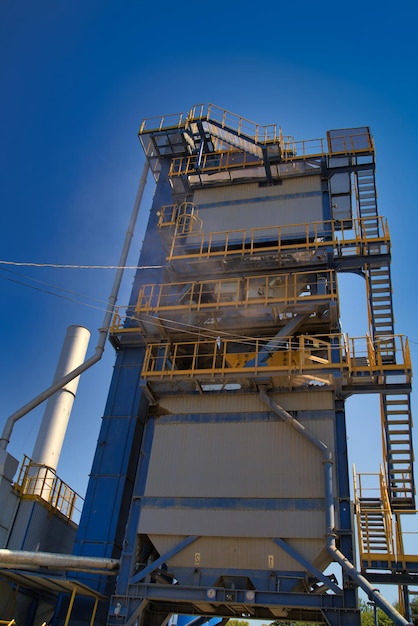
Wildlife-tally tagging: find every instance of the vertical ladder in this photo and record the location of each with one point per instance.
(397, 434)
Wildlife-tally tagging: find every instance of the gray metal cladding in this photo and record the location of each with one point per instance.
(240, 553)
(219, 459)
(41, 532)
(237, 479)
(246, 403)
(246, 206)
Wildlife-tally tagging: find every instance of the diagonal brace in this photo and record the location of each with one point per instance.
(152, 566)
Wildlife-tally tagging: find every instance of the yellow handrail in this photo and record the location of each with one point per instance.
(294, 355)
(39, 482)
(309, 236)
(245, 291)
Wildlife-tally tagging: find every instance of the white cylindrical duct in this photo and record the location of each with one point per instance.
(54, 424)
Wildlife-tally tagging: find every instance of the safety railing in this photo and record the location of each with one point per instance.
(240, 125)
(345, 238)
(250, 291)
(155, 124)
(291, 355)
(374, 519)
(214, 117)
(365, 354)
(223, 160)
(405, 542)
(39, 482)
(371, 499)
(7, 622)
(181, 216)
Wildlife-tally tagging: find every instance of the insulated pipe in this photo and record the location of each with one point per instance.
(338, 556)
(57, 413)
(23, 558)
(56, 386)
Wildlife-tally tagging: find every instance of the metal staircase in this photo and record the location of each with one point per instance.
(375, 540)
(374, 522)
(380, 302)
(395, 409)
(397, 433)
(378, 277)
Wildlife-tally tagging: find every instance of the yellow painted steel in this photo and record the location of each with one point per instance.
(268, 290)
(265, 289)
(41, 483)
(311, 237)
(375, 526)
(183, 216)
(368, 487)
(220, 161)
(260, 134)
(351, 357)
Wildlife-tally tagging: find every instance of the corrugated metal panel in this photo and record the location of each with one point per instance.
(296, 201)
(235, 478)
(207, 523)
(220, 460)
(243, 553)
(246, 403)
(229, 193)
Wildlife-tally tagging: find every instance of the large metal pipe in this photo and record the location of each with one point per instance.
(56, 386)
(26, 559)
(48, 445)
(373, 594)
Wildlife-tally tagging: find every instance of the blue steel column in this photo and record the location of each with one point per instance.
(109, 494)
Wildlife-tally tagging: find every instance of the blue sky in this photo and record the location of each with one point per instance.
(78, 76)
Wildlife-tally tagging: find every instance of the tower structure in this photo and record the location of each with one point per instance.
(221, 478)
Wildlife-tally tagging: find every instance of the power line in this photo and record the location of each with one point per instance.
(80, 267)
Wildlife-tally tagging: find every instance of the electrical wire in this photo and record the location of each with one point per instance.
(191, 329)
(81, 267)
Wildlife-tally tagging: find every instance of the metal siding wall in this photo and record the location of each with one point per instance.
(238, 523)
(240, 553)
(296, 201)
(211, 485)
(220, 460)
(35, 529)
(246, 403)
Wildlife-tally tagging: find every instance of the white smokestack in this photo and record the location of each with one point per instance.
(57, 413)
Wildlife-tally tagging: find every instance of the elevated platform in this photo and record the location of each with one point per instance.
(295, 362)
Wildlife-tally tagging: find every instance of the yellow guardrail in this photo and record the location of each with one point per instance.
(242, 291)
(372, 487)
(257, 133)
(352, 357)
(345, 238)
(278, 290)
(39, 482)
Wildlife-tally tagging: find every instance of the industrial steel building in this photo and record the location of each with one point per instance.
(220, 484)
